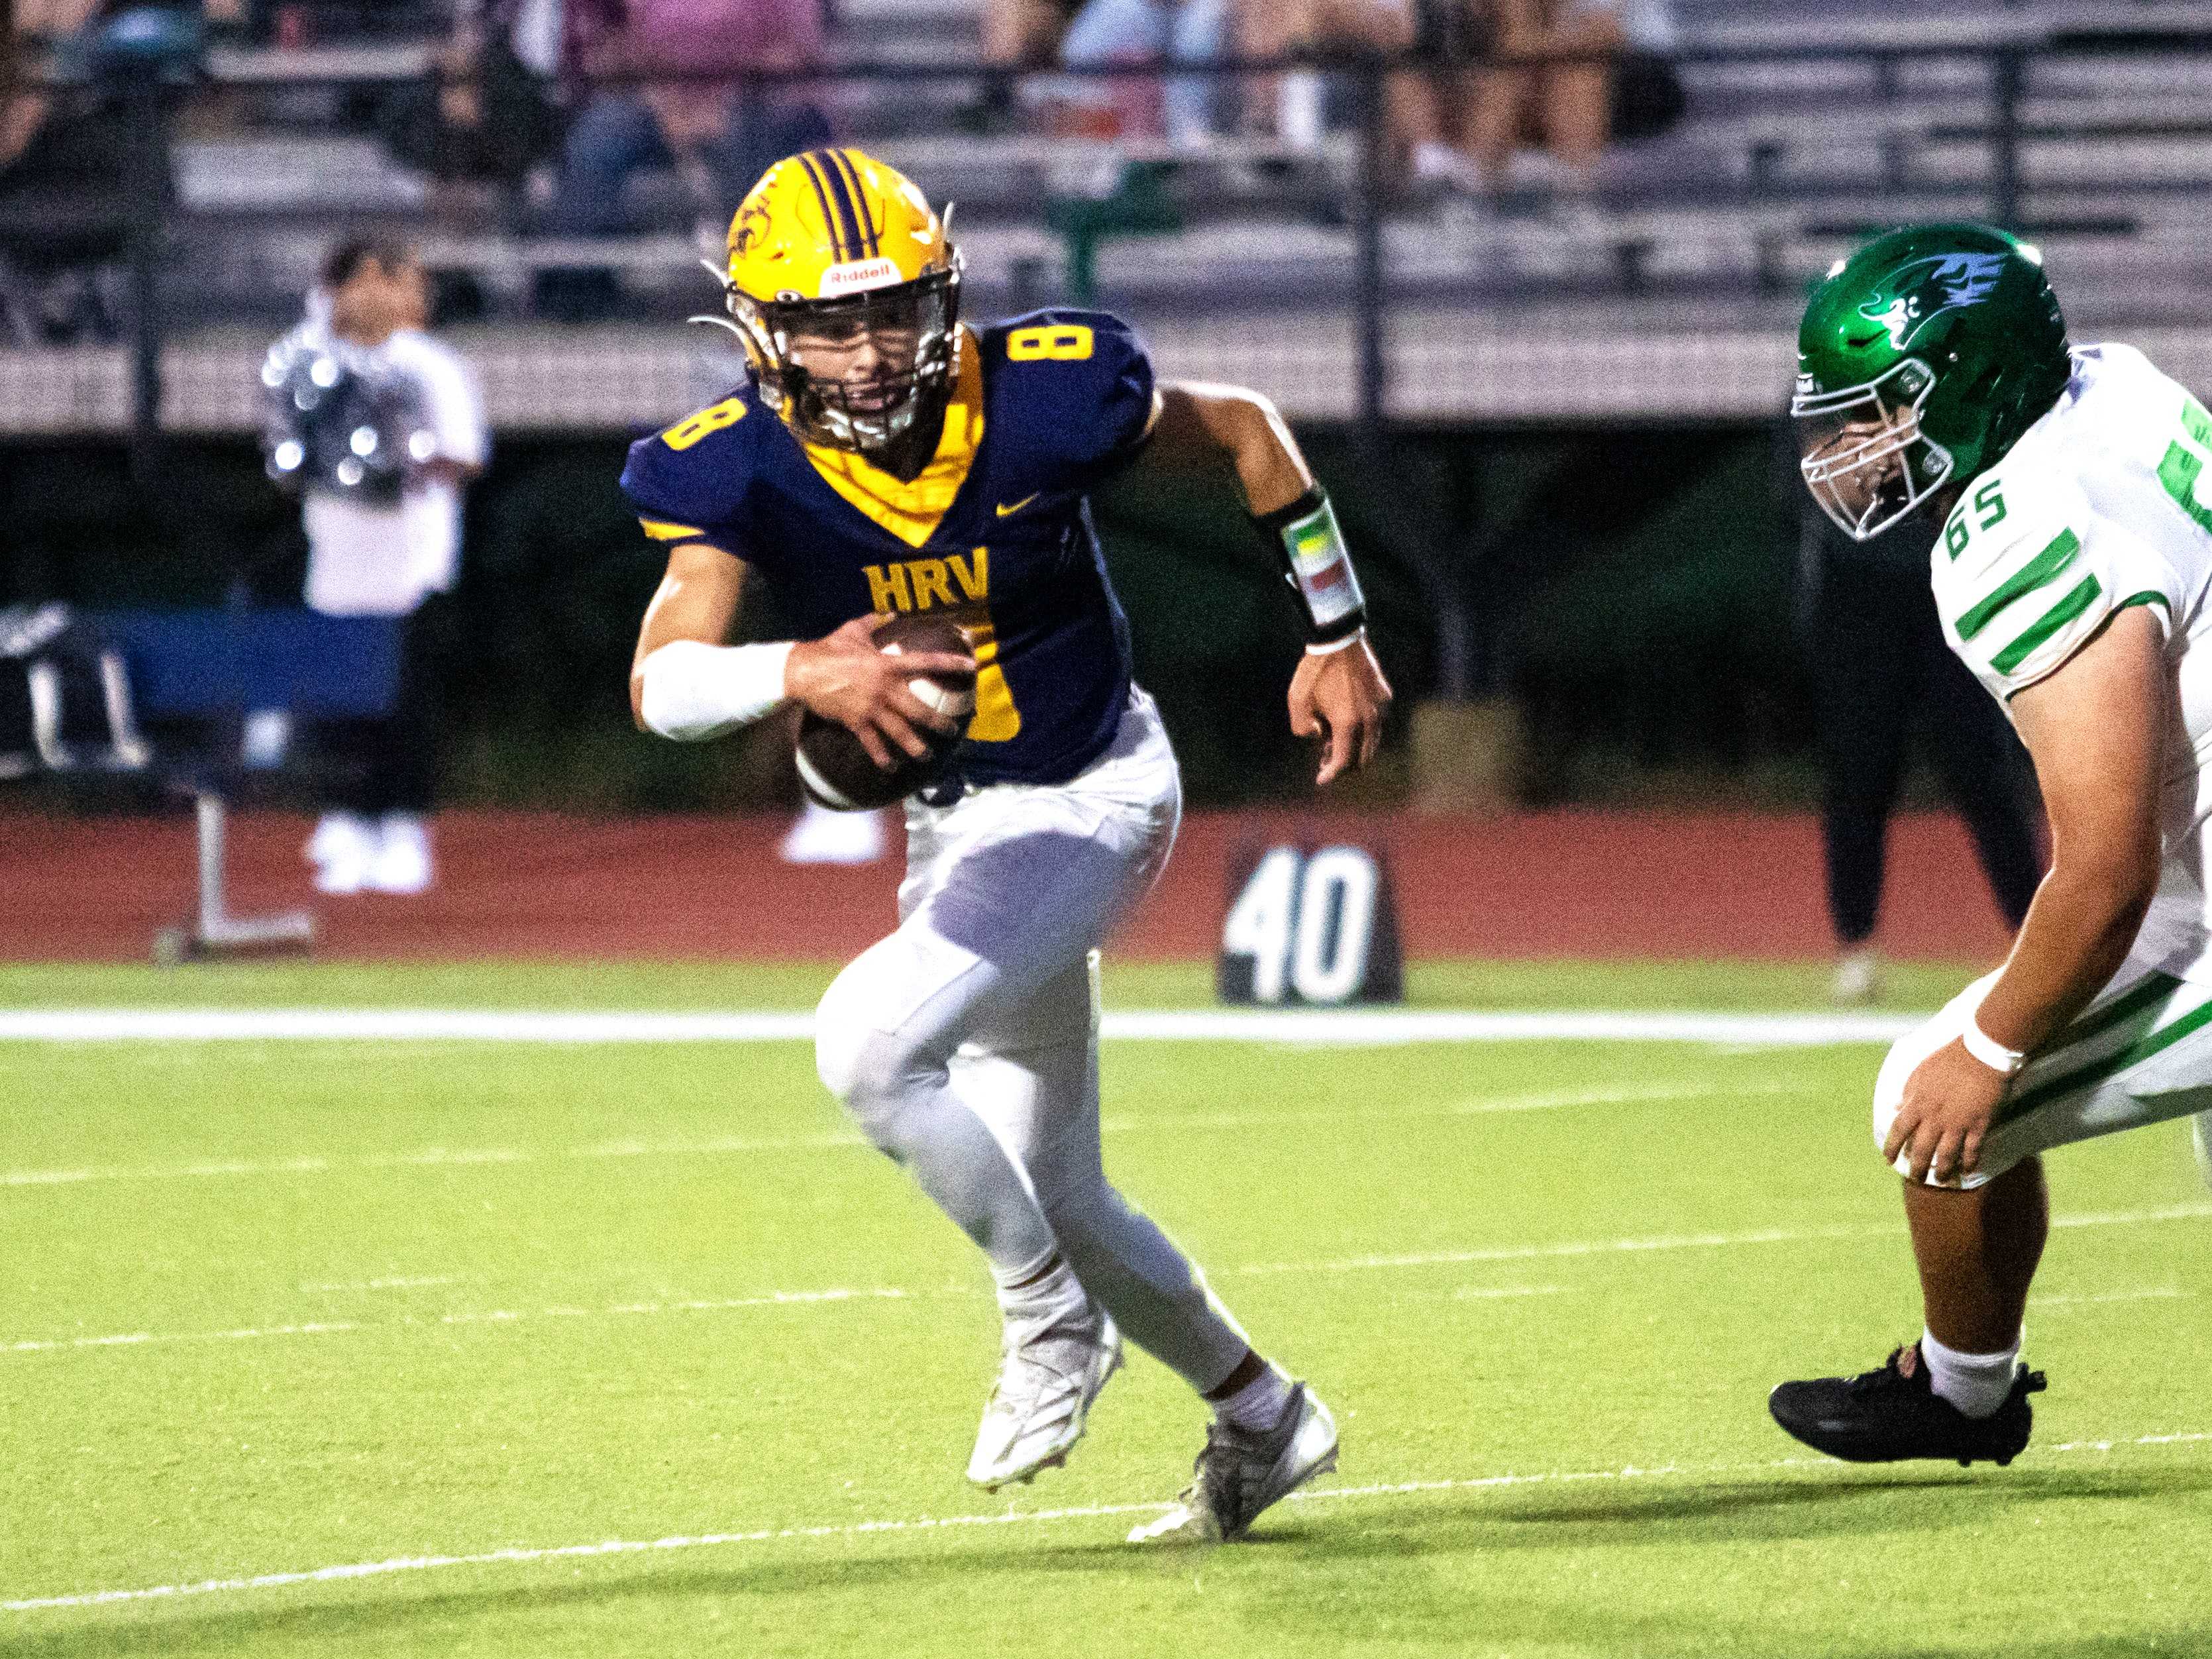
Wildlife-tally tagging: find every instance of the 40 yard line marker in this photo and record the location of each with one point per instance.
(616, 1547)
(1317, 1028)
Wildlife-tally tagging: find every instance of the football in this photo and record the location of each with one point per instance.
(833, 767)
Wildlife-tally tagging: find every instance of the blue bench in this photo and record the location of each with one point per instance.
(221, 666)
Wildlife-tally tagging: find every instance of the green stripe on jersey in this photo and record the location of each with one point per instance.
(2098, 1071)
(2153, 989)
(2054, 619)
(2043, 567)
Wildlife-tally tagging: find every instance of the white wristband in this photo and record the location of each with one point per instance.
(692, 690)
(1355, 637)
(1991, 1052)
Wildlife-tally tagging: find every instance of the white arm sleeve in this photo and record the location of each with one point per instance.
(693, 691)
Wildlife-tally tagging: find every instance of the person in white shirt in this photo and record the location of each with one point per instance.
(389, 552)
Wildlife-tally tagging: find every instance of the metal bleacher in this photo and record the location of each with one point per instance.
(1788, 152)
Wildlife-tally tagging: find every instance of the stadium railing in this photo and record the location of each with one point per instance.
(1795, 145)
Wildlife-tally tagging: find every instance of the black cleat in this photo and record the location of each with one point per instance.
(1888, 1415)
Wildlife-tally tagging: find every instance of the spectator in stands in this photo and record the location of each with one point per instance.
(1325, 29)
(1017, 34)
(367, 557)
(1880, 666)
(1193, 108)
(1141, 33)
(64, 165)
(478, 123)
(1569, 110)
(718, 141)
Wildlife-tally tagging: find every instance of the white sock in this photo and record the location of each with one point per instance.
(1977, 1384)
(1259, 1404)
(1056, 1290)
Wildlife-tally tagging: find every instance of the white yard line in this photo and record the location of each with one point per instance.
(1568, 1247)
(394, 1565)
(1322, 1028)
(402, 1282)
(439, 1156)
(488, 1317)
(2060, 1301)
(1577, 1247)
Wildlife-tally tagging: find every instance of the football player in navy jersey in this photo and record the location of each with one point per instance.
(884, 460)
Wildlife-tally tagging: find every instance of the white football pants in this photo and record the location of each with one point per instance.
(966, 1044)
(2141, 1053)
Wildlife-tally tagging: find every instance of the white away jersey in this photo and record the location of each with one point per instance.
(2094, 510)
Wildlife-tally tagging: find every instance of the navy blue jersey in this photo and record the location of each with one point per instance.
(995, 532)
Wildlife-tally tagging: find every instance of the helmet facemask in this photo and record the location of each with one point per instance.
(1865, 458)
(893, 403)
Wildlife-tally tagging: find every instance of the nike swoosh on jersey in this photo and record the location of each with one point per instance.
(1008, 512)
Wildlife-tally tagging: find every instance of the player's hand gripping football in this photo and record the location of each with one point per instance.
(1340, 696)
(842, 676)
(1950, 1101)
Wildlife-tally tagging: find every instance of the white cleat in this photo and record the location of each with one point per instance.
(342, 849)
(819, 836)
(1241, 1472)
(1858, 978)
(339, 835)
(1053, 1370)
(401, 863)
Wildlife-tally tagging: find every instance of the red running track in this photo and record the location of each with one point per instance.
(1568, 883)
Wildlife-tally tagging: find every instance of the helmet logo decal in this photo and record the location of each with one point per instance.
(1927, 288)
(754, 222)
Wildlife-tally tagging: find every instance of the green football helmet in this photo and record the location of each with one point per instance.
(1922, 360)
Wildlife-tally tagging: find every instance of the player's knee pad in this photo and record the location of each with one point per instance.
(849, 1050)
(873, 1043)
(1889, 1086)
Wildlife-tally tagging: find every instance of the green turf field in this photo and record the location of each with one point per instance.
(372, 1303)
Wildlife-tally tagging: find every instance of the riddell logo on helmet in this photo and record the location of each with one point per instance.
(859, 277)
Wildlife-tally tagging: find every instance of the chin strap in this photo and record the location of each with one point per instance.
(1317, 565)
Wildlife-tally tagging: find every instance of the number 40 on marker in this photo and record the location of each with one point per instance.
(1317, 926)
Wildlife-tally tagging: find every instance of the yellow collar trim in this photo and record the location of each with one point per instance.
(911, 511)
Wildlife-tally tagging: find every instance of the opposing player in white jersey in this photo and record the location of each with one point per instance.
(885, 459)
(2071, 574)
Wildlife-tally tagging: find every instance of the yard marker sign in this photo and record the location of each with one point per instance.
(1311, 926)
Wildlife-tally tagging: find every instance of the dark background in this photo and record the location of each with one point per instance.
(1631, 592)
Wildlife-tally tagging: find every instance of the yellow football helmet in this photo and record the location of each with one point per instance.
(834, 245)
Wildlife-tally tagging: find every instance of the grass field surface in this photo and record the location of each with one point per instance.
(402, 1348)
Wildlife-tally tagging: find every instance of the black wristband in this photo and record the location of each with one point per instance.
(1317, 564)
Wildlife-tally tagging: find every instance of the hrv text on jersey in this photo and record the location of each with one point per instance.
(994, 532)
